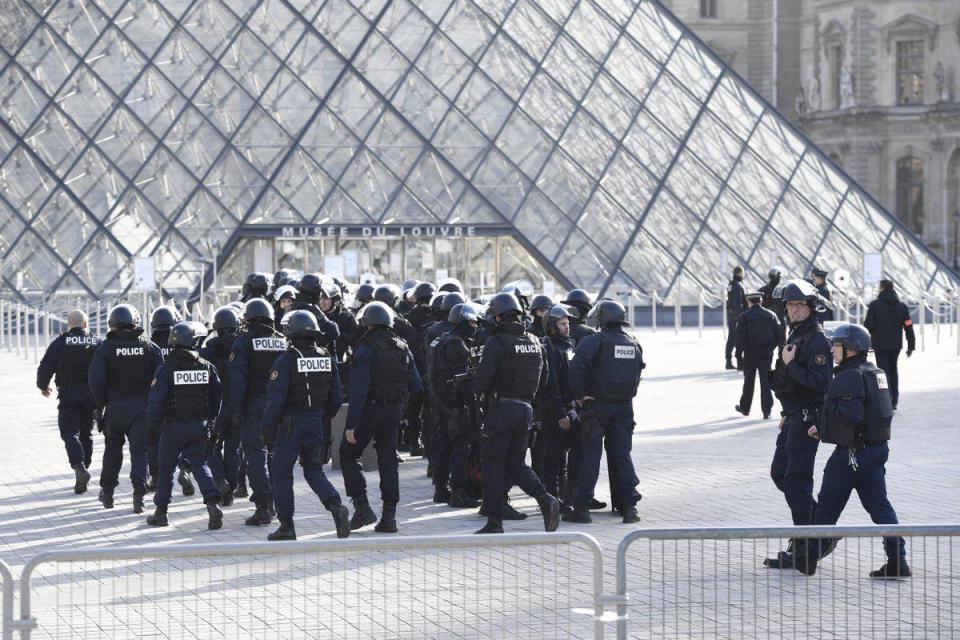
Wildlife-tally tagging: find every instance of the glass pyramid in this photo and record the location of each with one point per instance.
(616, 147)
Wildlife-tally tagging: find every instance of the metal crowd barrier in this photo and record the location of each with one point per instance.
(711, 583)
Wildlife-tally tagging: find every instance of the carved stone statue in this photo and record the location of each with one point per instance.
(940, 75)
(800, 102)
(847, 99)
(813, 103)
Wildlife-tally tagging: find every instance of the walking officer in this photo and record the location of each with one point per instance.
(384, 375)
(304, 387)
(119, 379)
(161, 320)
(251, 360)
(820, 282)
(856, 416)
(511, 373)
(801, 377)
(604, 377)
(67, 360)
(184, 399)
(888, 319)
(736, 305)
(758, 334)
(539, 307)
(224, 461)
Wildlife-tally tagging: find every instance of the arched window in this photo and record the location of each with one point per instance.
(910, 193)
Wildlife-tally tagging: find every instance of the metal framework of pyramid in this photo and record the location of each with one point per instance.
(620, 151)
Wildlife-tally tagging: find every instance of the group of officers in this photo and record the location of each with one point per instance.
(472, 387)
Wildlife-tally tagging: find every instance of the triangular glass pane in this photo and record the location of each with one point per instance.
(542, 224)
(653, 31)
(261, 141)
(339, 208)
(117, 62)
(370, 184)
(407, 208)
(738, 224)
(183, 61)
(570, 67)
(27, 183)
(316, 64)
(435, 185)
(648, 264)
(146, 23)
(235, 183)
(355, 105)
(672, 222)
(629, 184)
(756, 184)
(692, 181)
(531, 29)
(395, 144)
(47, 59)
(857, 220)
(341, 25)
(423, 106)
(501, 183)
(802, 225)
(276, 26)
(651, 143)
(100, 266)
(405, 28)
(588, 144)
(567, 186)
(274, 209)
(166, 183)
(21, 100)
(484, 105)
(583, 263)
(606, 224)
(473, 209)
(524, 144)
(303, 184)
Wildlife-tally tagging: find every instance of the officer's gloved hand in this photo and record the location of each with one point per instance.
(909, 352)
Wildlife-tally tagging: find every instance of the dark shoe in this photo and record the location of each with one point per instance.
(766, 416)
(416, 451)
(741, 411)
(784, 560)
(565, 509)
(730, 366)
(362, 514)
(260, 517)
(550, 508)
(804, 560)
(285, 532)
(186, 485)
(630, 515)
(578, 515)
(151, 484)
(138, 503)
(441, 495)
(460, 499)
(106, 498)
(828, 547)
(226, 494)
(892, 570)
(214, 513)
(493, 526)
(429, 468)
(509, 513)
(82, 478)
(341, 518)
(596, 505)
(241, 490)
(159, 518)
(388, 519)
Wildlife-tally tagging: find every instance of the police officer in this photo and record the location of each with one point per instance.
(251, 360)
(539, 307)
(68, 358)
(331, 303)
(383, 376)
(224, 461)
(820, 282)
(431, 337)
(773, 279)
(511, 373)
(801, 377)
(184, 395)
(304, 387)
(391, 296)
(284, 297)
(119, 378)
(363, 296)
(308, 298)
(450, 285)
(736, 304)
(888, 319)
(604, 377)
(579, 300)
(458, 424)
(758, 334)
(255, 286)
(856, 416)
(561, 424)
(419, 317)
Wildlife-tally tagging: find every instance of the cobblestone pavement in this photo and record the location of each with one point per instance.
(700, 464)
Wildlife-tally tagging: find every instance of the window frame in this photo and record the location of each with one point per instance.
(906, 191)
(918, 71)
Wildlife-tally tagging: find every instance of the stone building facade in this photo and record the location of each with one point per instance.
(875, 83)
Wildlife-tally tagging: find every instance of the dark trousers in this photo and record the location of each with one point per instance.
(561, 449)
(869, 481)
(616, 427)
(225, 461)
(730, 347)
(887, 360)
(125, 418)
(754, 366)
(75, 421)
(380, 423)
(302, 438)
(503, 451)
(414, 422)
(792, 468)
(186, 438)
(255, 452)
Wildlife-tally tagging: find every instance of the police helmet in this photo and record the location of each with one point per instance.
(450, 300)
(408, 284)
(424, 292)
(503, 303)
(541, 302)
(226, 318)
(123, 316)
(463, 312)
(610, 312)
(578, 298)
(310, 284)
(364, 293)
(257, 308)
(285, 291)
(300, 324)
(388, 294)
(284, 276)
(164, 318)
(555, 313)
(778, 291)
(520, 288)
(376, 314)
(450, 285)
(819, 273)
(774, 273)
(200, 332)
(755, 295)
(801, 291)
(238, 305)
(257, 284)
(853, 337)
(436, 303)
(182, 335)
(330, 289)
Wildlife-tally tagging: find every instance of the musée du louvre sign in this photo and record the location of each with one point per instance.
(375, 231)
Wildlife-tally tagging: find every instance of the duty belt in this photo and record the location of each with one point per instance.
(806, 412)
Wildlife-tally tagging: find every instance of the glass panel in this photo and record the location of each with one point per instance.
(672, 224)
(507, 66)
(568, 187)
(542, 224)
(798, 222)
(547, 105)
(531, 29)
(583, 263)
(648, 264)
(469, 29)
(611, 106)
(588, 144)
(501, 183)
(524, 144)
(694, 183)
(592, 30)
(460, 142)
(629, 183)
(606, 225)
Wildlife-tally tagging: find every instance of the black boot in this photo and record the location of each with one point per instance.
(260, 516)
(550, 508)
(597, 505)
(341, 518)
(784, 560)
(494, 525)
(630, 515)
(441, 495)
(460, 499)
(159, 518)
(578, 515)
(82, 478)
(388, 519)
(138, 502)
(214, 512)
(241, 490)
(509, 513)
(186, 485)
(226, 494)
(416, 450)
(892, 570)
(362, 513)
(285, 532)
(730, 366)
(106, 498)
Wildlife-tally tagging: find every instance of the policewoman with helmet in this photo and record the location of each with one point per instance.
(304, 389)
(382, 378)
(184, 396)
(119, 379)
(856, 416)
(511, 373)
(800, 381)
(604, 377)
(308, 298)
